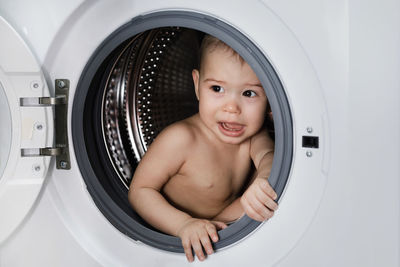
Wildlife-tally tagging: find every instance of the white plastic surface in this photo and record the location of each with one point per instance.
(341, 206)
(5, 131)
(22, 179)
(38, 22)
(308, 175)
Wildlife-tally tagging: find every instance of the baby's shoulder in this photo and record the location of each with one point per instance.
(261, 143)
(179, 132)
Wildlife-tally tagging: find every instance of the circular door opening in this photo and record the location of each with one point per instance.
(139, 81)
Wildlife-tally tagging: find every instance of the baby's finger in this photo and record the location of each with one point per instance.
(187, 247)
(198, 249)
(267, 188)
(212, 231)
(271, 204)
(205, 241)
(262, 197)
(219, 225)
(261, 209)
(252, 213)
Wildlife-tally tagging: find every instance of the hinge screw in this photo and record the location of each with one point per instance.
(35, 85)
(63, 164)
(61, 83)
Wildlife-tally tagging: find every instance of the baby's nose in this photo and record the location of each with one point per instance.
(232, 107)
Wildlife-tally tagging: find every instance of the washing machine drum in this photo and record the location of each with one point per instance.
(147, 86)
(141, 86)
(136, 83)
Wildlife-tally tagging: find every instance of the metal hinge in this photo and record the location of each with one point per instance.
(60, 103)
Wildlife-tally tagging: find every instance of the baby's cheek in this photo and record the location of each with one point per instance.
(260, 116)
(259, 121)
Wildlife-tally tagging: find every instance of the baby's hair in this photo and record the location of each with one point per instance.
(210, 43)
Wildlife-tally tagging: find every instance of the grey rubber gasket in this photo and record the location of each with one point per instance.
(113, 203)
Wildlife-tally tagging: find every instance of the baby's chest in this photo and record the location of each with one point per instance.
(222, 173)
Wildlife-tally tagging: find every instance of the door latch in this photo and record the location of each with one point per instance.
(60, 104)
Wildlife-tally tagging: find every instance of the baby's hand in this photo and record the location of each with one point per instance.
(258, 200)
(196, 234)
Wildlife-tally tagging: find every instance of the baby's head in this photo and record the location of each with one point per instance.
(213, 51)
(210, 44)
(232, 101)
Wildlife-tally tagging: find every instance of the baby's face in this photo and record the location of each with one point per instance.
(232, 102)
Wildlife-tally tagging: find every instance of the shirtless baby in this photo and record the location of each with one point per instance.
(188, 184)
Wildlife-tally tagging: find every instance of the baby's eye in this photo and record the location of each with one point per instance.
(249, 93)
(217, 89)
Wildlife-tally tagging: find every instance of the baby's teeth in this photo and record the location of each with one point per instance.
(230, 128)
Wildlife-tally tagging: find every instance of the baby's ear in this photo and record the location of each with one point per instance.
(270, 116)
(195, 75)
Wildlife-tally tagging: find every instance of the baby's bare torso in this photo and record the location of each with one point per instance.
(210, 179)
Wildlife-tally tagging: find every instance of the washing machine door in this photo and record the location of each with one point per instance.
(26, 131)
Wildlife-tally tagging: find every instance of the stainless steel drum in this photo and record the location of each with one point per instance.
(148, 87)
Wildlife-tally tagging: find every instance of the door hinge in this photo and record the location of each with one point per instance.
(60, 103)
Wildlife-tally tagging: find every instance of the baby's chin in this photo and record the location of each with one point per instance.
(233, 140)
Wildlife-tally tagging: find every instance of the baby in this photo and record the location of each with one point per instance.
(189, 182)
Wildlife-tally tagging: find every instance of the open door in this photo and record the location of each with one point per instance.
(26, 132)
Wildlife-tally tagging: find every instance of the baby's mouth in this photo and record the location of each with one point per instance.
(234, 127)
(231, 129)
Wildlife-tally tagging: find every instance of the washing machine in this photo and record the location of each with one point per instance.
(85, 86)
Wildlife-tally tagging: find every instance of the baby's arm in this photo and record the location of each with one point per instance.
(158, 164)
(231, 213)
(163, 160)
(258, 200)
